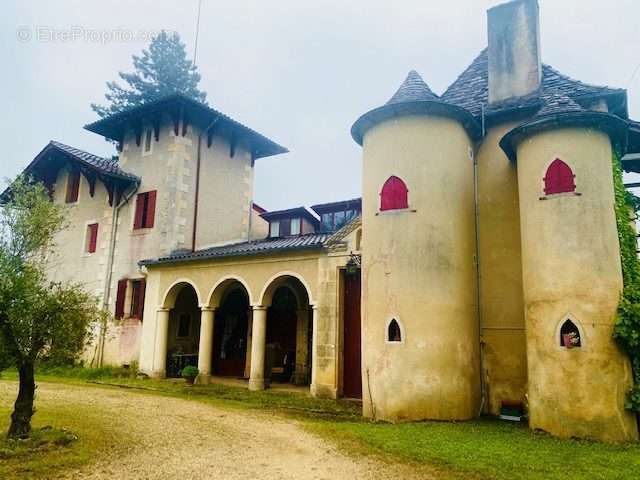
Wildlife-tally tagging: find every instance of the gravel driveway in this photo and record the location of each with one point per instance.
(180, 439)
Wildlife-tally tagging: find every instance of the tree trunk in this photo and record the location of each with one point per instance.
(23, 408)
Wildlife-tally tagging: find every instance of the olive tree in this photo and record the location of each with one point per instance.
(38, 317)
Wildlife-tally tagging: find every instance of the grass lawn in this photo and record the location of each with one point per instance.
(479, 449)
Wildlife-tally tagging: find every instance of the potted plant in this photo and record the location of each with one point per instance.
(189, 373)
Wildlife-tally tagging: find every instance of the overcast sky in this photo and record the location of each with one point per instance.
(297, 71)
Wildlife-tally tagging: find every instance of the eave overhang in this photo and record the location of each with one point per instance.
(420, 107)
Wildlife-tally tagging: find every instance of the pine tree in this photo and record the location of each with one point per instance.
(161, 70)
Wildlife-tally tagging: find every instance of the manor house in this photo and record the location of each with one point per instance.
(479, 272)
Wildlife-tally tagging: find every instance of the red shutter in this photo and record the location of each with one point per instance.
(141, 290)
(73, 187)
(151, 209)
(93, 238)
(137, 222)
(559, 178)
(394, 195)
(120, 296)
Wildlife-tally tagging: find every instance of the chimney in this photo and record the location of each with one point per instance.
(515, 68)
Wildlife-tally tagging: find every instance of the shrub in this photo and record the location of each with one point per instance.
(189, 372)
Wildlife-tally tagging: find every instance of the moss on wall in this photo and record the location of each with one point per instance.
(627, 328)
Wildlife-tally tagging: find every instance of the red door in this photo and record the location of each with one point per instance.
(352, 387)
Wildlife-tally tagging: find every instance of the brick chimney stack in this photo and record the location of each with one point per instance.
(515, 67)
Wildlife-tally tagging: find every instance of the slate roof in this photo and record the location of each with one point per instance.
(555, 102)
(113, 126)
(260, 247)
(471, 89)
(102, 165)
(413, 89)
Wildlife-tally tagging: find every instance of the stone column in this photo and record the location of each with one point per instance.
(301, 375)
(314, 347)
(160, 350)
(207, 319)
(258, 344)
(247, 362)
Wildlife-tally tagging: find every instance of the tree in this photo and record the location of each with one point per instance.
(162, 70)
(37, 317)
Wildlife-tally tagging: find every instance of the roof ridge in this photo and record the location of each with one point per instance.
(413, 89)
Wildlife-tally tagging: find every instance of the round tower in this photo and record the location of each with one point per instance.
(572, 279)
(420, 333)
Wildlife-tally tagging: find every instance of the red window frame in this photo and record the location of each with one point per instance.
(145, 210)
(138, 288)
(559, 178)
(394, 195)
(73, 187)
(120, 297)
(92, 237)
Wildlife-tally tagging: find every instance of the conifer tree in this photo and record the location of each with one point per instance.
(161, 70)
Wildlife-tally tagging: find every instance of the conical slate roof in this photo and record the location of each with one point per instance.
(413, 89)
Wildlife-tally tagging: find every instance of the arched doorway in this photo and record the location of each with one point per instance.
(231, 333)
(184, 331)
(288, 333)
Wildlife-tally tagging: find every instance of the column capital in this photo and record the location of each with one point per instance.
(163, 309)
(208, 309)
(258, 307)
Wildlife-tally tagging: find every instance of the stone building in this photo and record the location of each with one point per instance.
(479, 273)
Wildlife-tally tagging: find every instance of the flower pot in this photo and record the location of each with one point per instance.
(190, 380)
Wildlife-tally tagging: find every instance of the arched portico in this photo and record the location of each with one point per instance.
(282, 340)
(177, 329)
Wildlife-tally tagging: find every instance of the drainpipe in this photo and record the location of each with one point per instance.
(483, 383)
(110, 259)
(197, 192)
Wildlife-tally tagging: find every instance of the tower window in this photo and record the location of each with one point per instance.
(394, 334)
(73, 187)
(394, 195)
(570, 335)
(559, 178)
(145, 210)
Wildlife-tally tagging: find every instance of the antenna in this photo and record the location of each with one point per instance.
(195, 48)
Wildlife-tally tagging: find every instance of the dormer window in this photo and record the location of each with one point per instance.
(295, 226)
(334, 216)
(274, 229)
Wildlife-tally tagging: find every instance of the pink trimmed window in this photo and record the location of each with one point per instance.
(559, 178)
(394, 194)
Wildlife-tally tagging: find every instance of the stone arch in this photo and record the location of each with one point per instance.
(171, 294)
(217, 292)
(564, 322)
(285, 278)
(394, 323)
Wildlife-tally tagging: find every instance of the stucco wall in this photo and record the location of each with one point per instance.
(571, 270)
(418, 267)
(505, 356)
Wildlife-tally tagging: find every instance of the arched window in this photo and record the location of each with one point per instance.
(394, 194)
(559, 178)
(394, 334)
(570, 335)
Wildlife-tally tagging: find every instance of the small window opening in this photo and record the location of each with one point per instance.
(394, 334)
(295, 226)
(73, 187)
(394, 195)
(570, 335)
(91, 238)
(559, 178)
(147, 140)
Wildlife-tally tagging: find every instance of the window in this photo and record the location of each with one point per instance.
(339, 219)
(327, 222)
(73, 187)
(145, 210)
(184, 325)
(394, 195)
(120, 298)
(394, 334)
(137, 298)
(147, 140)
(295, 226)
(570, 335)
(91, 239)
(274, 229)
(559, 178)
(285, 227)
